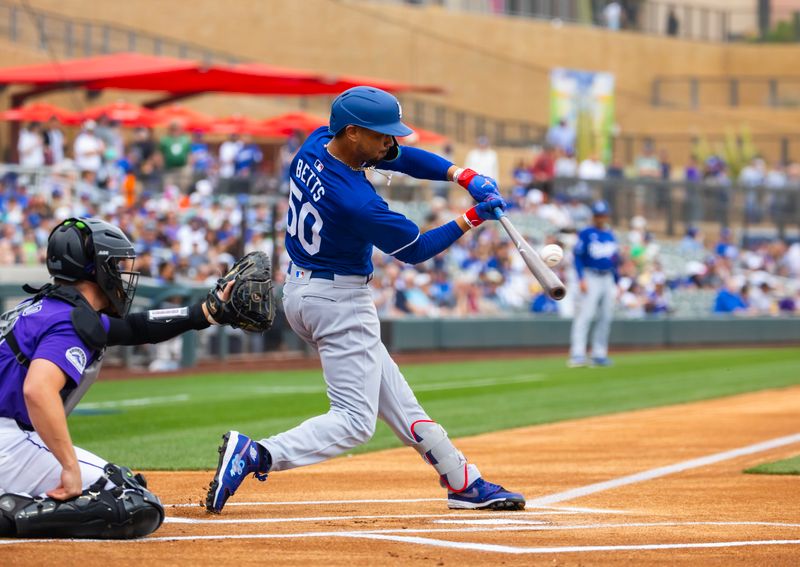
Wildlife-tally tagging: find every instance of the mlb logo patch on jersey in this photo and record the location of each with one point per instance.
(299, 274)
(318, 165)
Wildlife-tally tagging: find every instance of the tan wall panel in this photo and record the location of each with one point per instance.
(489, 64)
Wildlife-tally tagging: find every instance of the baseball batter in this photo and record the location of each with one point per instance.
(335, 218)
(596, 260)
(51, 348)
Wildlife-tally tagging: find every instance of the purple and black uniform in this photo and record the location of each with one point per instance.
(43, 330)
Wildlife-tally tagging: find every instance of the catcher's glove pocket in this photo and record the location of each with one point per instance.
(251, 306)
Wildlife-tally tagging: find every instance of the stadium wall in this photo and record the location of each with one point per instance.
(494, 65)
(483, 333)
(434, 45)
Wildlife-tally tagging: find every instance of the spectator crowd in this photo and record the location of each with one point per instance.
(190, 210)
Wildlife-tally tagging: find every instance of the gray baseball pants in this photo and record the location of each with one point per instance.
(339, 319)
(598, 301)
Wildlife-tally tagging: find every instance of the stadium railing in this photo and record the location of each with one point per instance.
(695, 22)
(671, 207)
(734, 91)
(82, 37)
(465, 127)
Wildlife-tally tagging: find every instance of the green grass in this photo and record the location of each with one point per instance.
(786, 466)
(181, 428)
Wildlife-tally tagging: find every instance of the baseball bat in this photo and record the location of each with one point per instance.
(541, 271)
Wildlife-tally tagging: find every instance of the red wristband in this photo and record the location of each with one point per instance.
(472, 218)
(465, 176)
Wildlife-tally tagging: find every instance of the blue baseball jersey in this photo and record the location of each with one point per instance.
(43, 330)
(335, 216)
(596, 249)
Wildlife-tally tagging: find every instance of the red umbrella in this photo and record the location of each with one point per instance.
(235, 124)
(39, 112)
(424, 137)
(287, 124)
(180, 114)
(124, 112)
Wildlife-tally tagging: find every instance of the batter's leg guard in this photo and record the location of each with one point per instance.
(431, 441)
(127, 511)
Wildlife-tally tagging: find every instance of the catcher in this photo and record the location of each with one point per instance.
(50, 353)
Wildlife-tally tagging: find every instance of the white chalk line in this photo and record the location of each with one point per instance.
(519, 379)
(302, 519)
(420, 387)
(462, 546)
(563, 509)
(666, 470)
(392, 535)
(317, 502)
(135, 402)
(551, 499)
(286, 390)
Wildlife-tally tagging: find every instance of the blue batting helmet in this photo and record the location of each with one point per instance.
(601, 208)
(370, 108)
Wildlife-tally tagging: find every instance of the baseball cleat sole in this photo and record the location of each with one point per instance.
(501, 504)
(215, 486)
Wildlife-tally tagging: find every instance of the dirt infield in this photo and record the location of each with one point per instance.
(651, 487)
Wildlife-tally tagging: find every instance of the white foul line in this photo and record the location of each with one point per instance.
(558, 509)
(422, 387)
(317, 502)
(136, 402)
(289, 520)
(664, 471)
(393, 535)
(568, 549)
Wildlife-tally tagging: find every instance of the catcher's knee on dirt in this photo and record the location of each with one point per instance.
(432, 442)
(126, 511)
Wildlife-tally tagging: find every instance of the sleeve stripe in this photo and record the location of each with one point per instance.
(404, 247)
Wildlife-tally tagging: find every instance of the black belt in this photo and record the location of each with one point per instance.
(323, 275)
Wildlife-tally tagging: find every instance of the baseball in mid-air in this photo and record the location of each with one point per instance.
(552, 254)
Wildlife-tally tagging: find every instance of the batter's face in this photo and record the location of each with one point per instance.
(369, 145)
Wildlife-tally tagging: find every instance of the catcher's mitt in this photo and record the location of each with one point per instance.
(251, 306)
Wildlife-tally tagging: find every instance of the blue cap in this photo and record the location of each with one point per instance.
(601, 208)
(370, 108)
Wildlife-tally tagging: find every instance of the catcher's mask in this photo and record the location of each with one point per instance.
(96, 251)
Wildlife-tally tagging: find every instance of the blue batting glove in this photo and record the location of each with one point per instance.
(479, 187)
(486, 209)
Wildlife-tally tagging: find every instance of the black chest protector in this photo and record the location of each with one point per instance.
(85, 319)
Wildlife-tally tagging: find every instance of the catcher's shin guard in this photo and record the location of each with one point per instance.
(431, 441)
(126, 511)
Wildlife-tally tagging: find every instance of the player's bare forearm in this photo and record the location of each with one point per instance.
(41, 390)
(451, 171)
(463, 224)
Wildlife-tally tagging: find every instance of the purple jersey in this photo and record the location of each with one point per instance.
(43, 330)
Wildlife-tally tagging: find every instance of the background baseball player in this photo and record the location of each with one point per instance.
(335, 217)
(596, 260)
(50, 353)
